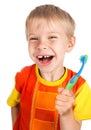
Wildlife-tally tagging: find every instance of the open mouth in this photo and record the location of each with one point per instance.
(45, 59)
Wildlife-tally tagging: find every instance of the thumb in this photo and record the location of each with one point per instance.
(60, 90)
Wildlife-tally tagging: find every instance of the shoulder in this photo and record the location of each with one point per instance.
(22, 76)
(79, 82)
(71, 73)
(25, 71)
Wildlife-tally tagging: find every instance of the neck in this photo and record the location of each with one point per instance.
(54, 75)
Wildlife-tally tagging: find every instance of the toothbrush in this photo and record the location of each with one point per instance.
(73, 80)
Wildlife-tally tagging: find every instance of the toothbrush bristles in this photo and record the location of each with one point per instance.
(84, 58)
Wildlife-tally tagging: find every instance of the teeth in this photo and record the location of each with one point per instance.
(43, 56)
(40, 56)
(47, 56)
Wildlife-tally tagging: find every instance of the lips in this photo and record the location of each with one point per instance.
(45, 59)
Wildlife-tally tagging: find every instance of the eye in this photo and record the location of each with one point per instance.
(52, 37)
(33, 38)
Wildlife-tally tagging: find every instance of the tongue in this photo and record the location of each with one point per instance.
(46, 60)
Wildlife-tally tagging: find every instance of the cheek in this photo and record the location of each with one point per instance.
(60, 48)
(30, 50)
(30, 47)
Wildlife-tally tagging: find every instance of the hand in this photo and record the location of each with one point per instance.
(64, 101)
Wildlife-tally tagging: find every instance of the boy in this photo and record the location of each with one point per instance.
(39, 100)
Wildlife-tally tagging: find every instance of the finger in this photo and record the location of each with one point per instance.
(62, 97)
(60, 90)
(67, 93)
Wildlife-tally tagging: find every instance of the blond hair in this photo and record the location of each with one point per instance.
(51, 12)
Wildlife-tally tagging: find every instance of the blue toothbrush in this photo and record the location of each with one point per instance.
(74, 79)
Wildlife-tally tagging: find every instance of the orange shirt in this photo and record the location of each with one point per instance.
(37, 100)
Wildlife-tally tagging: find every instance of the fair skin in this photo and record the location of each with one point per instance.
(45, 41)
(47, 45)
(64, 102)
(14, 113)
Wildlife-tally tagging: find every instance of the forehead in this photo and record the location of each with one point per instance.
(44, 24)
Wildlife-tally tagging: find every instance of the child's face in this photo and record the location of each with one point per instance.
(48, 44)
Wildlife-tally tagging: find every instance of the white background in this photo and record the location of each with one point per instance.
(13, 45)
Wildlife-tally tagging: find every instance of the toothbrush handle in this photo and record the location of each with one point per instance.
(71, 84)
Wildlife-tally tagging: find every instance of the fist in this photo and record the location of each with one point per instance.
(64, 101)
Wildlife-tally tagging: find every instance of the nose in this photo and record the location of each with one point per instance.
(42, 45)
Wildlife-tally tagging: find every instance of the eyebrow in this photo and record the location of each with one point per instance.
(48, 33)
(31, 34)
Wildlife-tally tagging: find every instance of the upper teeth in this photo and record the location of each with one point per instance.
(43, 56)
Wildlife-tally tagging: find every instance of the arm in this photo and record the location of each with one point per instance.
(68, 122)
(14, 113)
(64, 103)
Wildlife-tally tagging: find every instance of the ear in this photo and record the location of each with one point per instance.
(71, 44)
